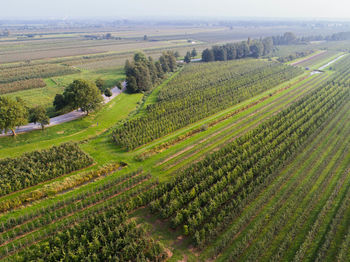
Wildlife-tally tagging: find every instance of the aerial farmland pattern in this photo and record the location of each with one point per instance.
(225, 142)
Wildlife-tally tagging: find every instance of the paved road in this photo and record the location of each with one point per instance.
(66, 117)
(331, 62)
(192, 60)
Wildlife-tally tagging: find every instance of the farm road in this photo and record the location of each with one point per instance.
(66, 117)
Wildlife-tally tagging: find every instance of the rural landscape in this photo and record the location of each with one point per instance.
(174, 139)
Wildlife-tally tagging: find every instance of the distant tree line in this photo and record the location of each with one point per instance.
(339, 36)
(289, 38)
(261, 47)
(5, 33)
(143, 73)
(232, 51)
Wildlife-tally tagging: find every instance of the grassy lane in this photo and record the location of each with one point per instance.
(153, 96)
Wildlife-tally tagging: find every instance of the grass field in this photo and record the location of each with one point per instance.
(77, 130)
(55, 85)
(105, 58)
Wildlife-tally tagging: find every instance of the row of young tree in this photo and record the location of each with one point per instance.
(62, 215)
(304, 236)
(28, 71)
(38, 166)
(198, 91)
(109, 236)
(200, 197)
(71, 201)
(232, 51)
(294, 56)
(75, 204)
(144, 73)
(21, 85)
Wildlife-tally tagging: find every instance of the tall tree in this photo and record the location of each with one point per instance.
(143, 77)
(268, 45)
(220, 53)
(256, 49)
(193, 52)
(289, 38)
(38, 115)
(12, 115)
(59, 102)
(143, 73)
(170, 60)
(152, 70)
(100, 83)
(187, 58)
(208, 55)
(108, 92)
(231, 51)
(84, 95)
(160, 72)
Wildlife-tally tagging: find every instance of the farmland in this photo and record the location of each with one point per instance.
(242, 160)
(37, 68)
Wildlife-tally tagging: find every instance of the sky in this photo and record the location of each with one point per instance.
(335, 9)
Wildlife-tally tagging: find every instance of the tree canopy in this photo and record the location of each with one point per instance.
(12, 114)
(38, 115)
(187, 58)
(194, 52)
(143, 73)
(231, 51)
(100, 83)
(84, 95)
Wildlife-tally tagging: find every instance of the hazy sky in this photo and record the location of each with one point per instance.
(175, 8)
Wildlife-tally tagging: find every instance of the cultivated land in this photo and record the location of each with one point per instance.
(288, 200)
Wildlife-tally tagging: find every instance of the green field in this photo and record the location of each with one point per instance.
(263, 176)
